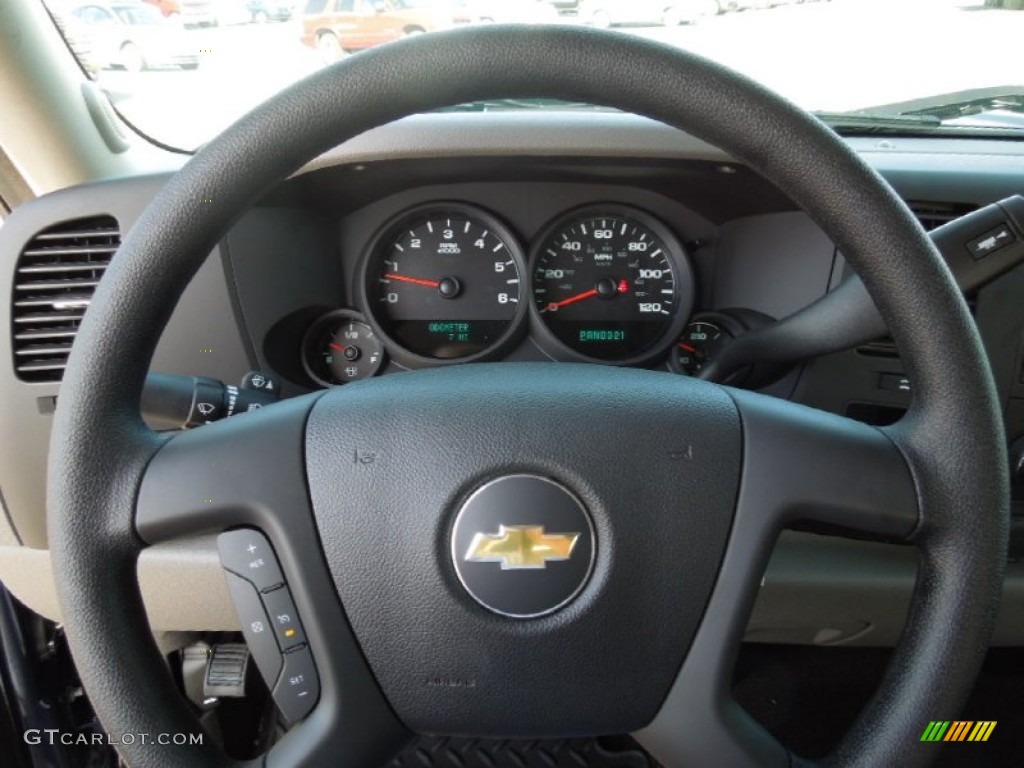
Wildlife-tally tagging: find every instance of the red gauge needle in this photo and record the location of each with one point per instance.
(571, 300)
(689, 348)
(414, 281)
(338, 347)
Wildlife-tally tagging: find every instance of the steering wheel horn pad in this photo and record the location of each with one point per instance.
(687, 484)
(661, 529)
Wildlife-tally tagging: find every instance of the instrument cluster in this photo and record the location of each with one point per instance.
(449, 282)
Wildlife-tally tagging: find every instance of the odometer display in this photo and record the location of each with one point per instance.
(443, 284)
(611, 284)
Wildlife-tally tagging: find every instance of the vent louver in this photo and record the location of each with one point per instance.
(933, 215)
(54, 281)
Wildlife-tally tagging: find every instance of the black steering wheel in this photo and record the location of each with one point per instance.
(680, 487)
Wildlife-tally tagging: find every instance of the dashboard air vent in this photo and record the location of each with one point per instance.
(886, 347)
(54, 281)
(933, 215)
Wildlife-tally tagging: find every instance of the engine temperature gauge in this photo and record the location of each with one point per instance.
(700, 341)
(340, 348)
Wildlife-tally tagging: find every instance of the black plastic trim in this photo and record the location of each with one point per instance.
(249, 471)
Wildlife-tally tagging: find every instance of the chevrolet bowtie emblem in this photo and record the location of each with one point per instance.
(521, 546)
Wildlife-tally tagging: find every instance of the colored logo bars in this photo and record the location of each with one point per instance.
(958, 730)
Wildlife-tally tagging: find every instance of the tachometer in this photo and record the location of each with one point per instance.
(611, 283)
(442, 284)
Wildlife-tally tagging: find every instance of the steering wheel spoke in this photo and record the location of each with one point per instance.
(248, 470)
(248, 474)
(699, 722)
(803, 467)
(800, 466)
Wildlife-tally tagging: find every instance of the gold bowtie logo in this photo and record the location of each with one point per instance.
(521, 546)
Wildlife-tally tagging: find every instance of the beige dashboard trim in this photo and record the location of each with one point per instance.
(182, 584)
(184, 591)
(529, 133)
(554, 133)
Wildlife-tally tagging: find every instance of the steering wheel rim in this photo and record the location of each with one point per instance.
(951, 442)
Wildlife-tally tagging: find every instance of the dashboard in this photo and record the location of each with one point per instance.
(452, 239)
(547, 259)
(449, 282)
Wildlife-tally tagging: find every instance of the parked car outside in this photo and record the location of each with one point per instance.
(261, 11)
(756, 5)
(336, 27)
(566, 7)
(198, 13)
(134, 36)
(78, 35)
(670, 13)
(746, 5)
(228, 13)
(166, 7)
(509, 11)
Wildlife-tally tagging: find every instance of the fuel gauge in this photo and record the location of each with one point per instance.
(339, 348)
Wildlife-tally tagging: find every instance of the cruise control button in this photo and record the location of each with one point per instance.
(258, 631)
(284, 617)
(247, 553)
(298, 688)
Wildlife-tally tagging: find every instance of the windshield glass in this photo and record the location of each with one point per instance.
(183, 70)
(131, 14)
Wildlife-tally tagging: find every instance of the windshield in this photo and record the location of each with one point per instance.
(949, 64)
(139, 15)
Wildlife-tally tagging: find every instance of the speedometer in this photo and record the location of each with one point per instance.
(442, 284)
(612, 284)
